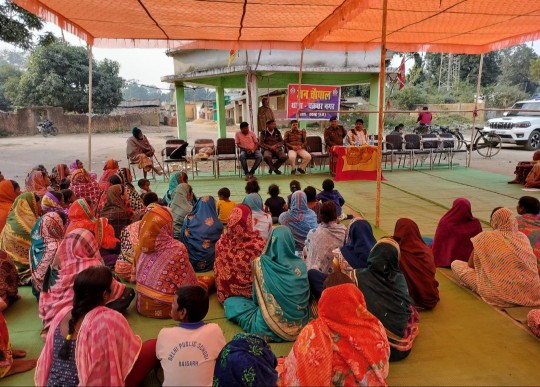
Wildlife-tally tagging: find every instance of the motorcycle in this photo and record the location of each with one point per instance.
(47, 128)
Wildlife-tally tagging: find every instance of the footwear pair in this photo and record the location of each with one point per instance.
(277, 171)
(299, 170)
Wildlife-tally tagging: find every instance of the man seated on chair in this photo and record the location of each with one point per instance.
(140, 152)
(334, 134)
(271, 142)
(296, 143)
(248, 144)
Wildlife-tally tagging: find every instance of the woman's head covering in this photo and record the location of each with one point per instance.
(36, 183)
(73, 166)
(200, 232)
(452, 239)
(246, 361)
(385, 288)
(254, 201)
(180, 206)
(156, 221)
(359, 242)
(49, 202)
(417, 264)
(80, 176)
(7, 197)
(109, 169)
(504, 220)
(176, 178)
(299, 218)
(125, 175)
(115, 201)
(349, 339)
(81, 216)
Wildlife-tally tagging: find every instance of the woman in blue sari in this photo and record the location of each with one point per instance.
(299, 219)
(280, 305)
(200, 232)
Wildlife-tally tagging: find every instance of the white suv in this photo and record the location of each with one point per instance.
(520, 128)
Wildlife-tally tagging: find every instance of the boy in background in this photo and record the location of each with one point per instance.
(330, 194)
(188, 352)
(224, 205)
(275, 204)
(144, 186)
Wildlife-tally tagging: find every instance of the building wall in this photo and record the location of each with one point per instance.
(24, 121)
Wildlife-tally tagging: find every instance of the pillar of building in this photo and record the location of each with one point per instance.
(181, 112)
(373, 124)
(220, 106)
(252, 96)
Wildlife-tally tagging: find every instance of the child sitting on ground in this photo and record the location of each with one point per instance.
(312, 202)
(275, 204)
(69, 197)
(189, 351)
(252, 186)
(144, 186)
(294, 185)
(224, 206)
(330, 194)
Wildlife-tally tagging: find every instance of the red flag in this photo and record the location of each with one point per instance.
(401, 74)
(232, 55)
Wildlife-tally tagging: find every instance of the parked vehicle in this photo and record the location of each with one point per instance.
(518, 127)
(47, 128)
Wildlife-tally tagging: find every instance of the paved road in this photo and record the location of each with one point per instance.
(19, 154)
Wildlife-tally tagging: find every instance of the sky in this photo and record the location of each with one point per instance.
(147, 66)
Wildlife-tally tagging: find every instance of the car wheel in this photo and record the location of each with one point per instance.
(534, 141)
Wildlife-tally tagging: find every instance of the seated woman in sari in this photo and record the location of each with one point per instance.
(110, 168)
(346, 344)
(417, 264)
(528, 221)
(140, 152)
(201, 230)
(358, 244)
(452, 238)
(180, 206)
(162, 264)
(84, 187)
(246, 361)
(78, 251)
(387, 297)
(91, 345)
(502, 269)
(116, 209)
(47, 235)
(53, 201)
(10, 358)
(279, 308)
(58, 176)
(524, 168)
(262, 221)
(299, 219)
(38, 182)
(9, 190)
(238, 246)
(176, 178)
(16, 237)
(135, 201)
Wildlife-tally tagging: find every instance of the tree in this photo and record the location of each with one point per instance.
(515, 67)
(17, 26)
(535, 70)
(9, 80)
(409, 97)
(501, 96)
(58, 76)
(14, 58)
(416, 74)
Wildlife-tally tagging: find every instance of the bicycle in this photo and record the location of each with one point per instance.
(487, 144)
(453, 131)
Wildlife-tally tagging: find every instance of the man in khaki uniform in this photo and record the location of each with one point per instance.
(296, 142)
(264, 115)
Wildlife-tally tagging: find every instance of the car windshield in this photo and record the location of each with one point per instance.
(525, 106)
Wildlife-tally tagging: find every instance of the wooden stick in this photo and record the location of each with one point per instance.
(473, 131)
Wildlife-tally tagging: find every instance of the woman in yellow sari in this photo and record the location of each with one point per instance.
(15, 238)
(162, 264)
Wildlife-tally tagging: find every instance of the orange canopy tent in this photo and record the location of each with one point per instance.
(453, 26)
(457, 26)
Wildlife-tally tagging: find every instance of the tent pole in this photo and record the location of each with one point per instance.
(475, 113)
(382, 77)
(89, 167)
(300, 83)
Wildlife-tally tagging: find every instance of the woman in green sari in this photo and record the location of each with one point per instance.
(280, 305)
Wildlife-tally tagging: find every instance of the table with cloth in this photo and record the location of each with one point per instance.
(354, 162)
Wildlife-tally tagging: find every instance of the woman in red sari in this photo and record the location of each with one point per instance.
(84, 187)
(452, 238)
(345, 346)
(109, 169)
(238, 246)
(417, 264)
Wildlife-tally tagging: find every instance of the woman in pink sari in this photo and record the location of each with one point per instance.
(38, 182)
(84, 187)
(91, 345)
(78, 251)
(452, 238)
(162, 264)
